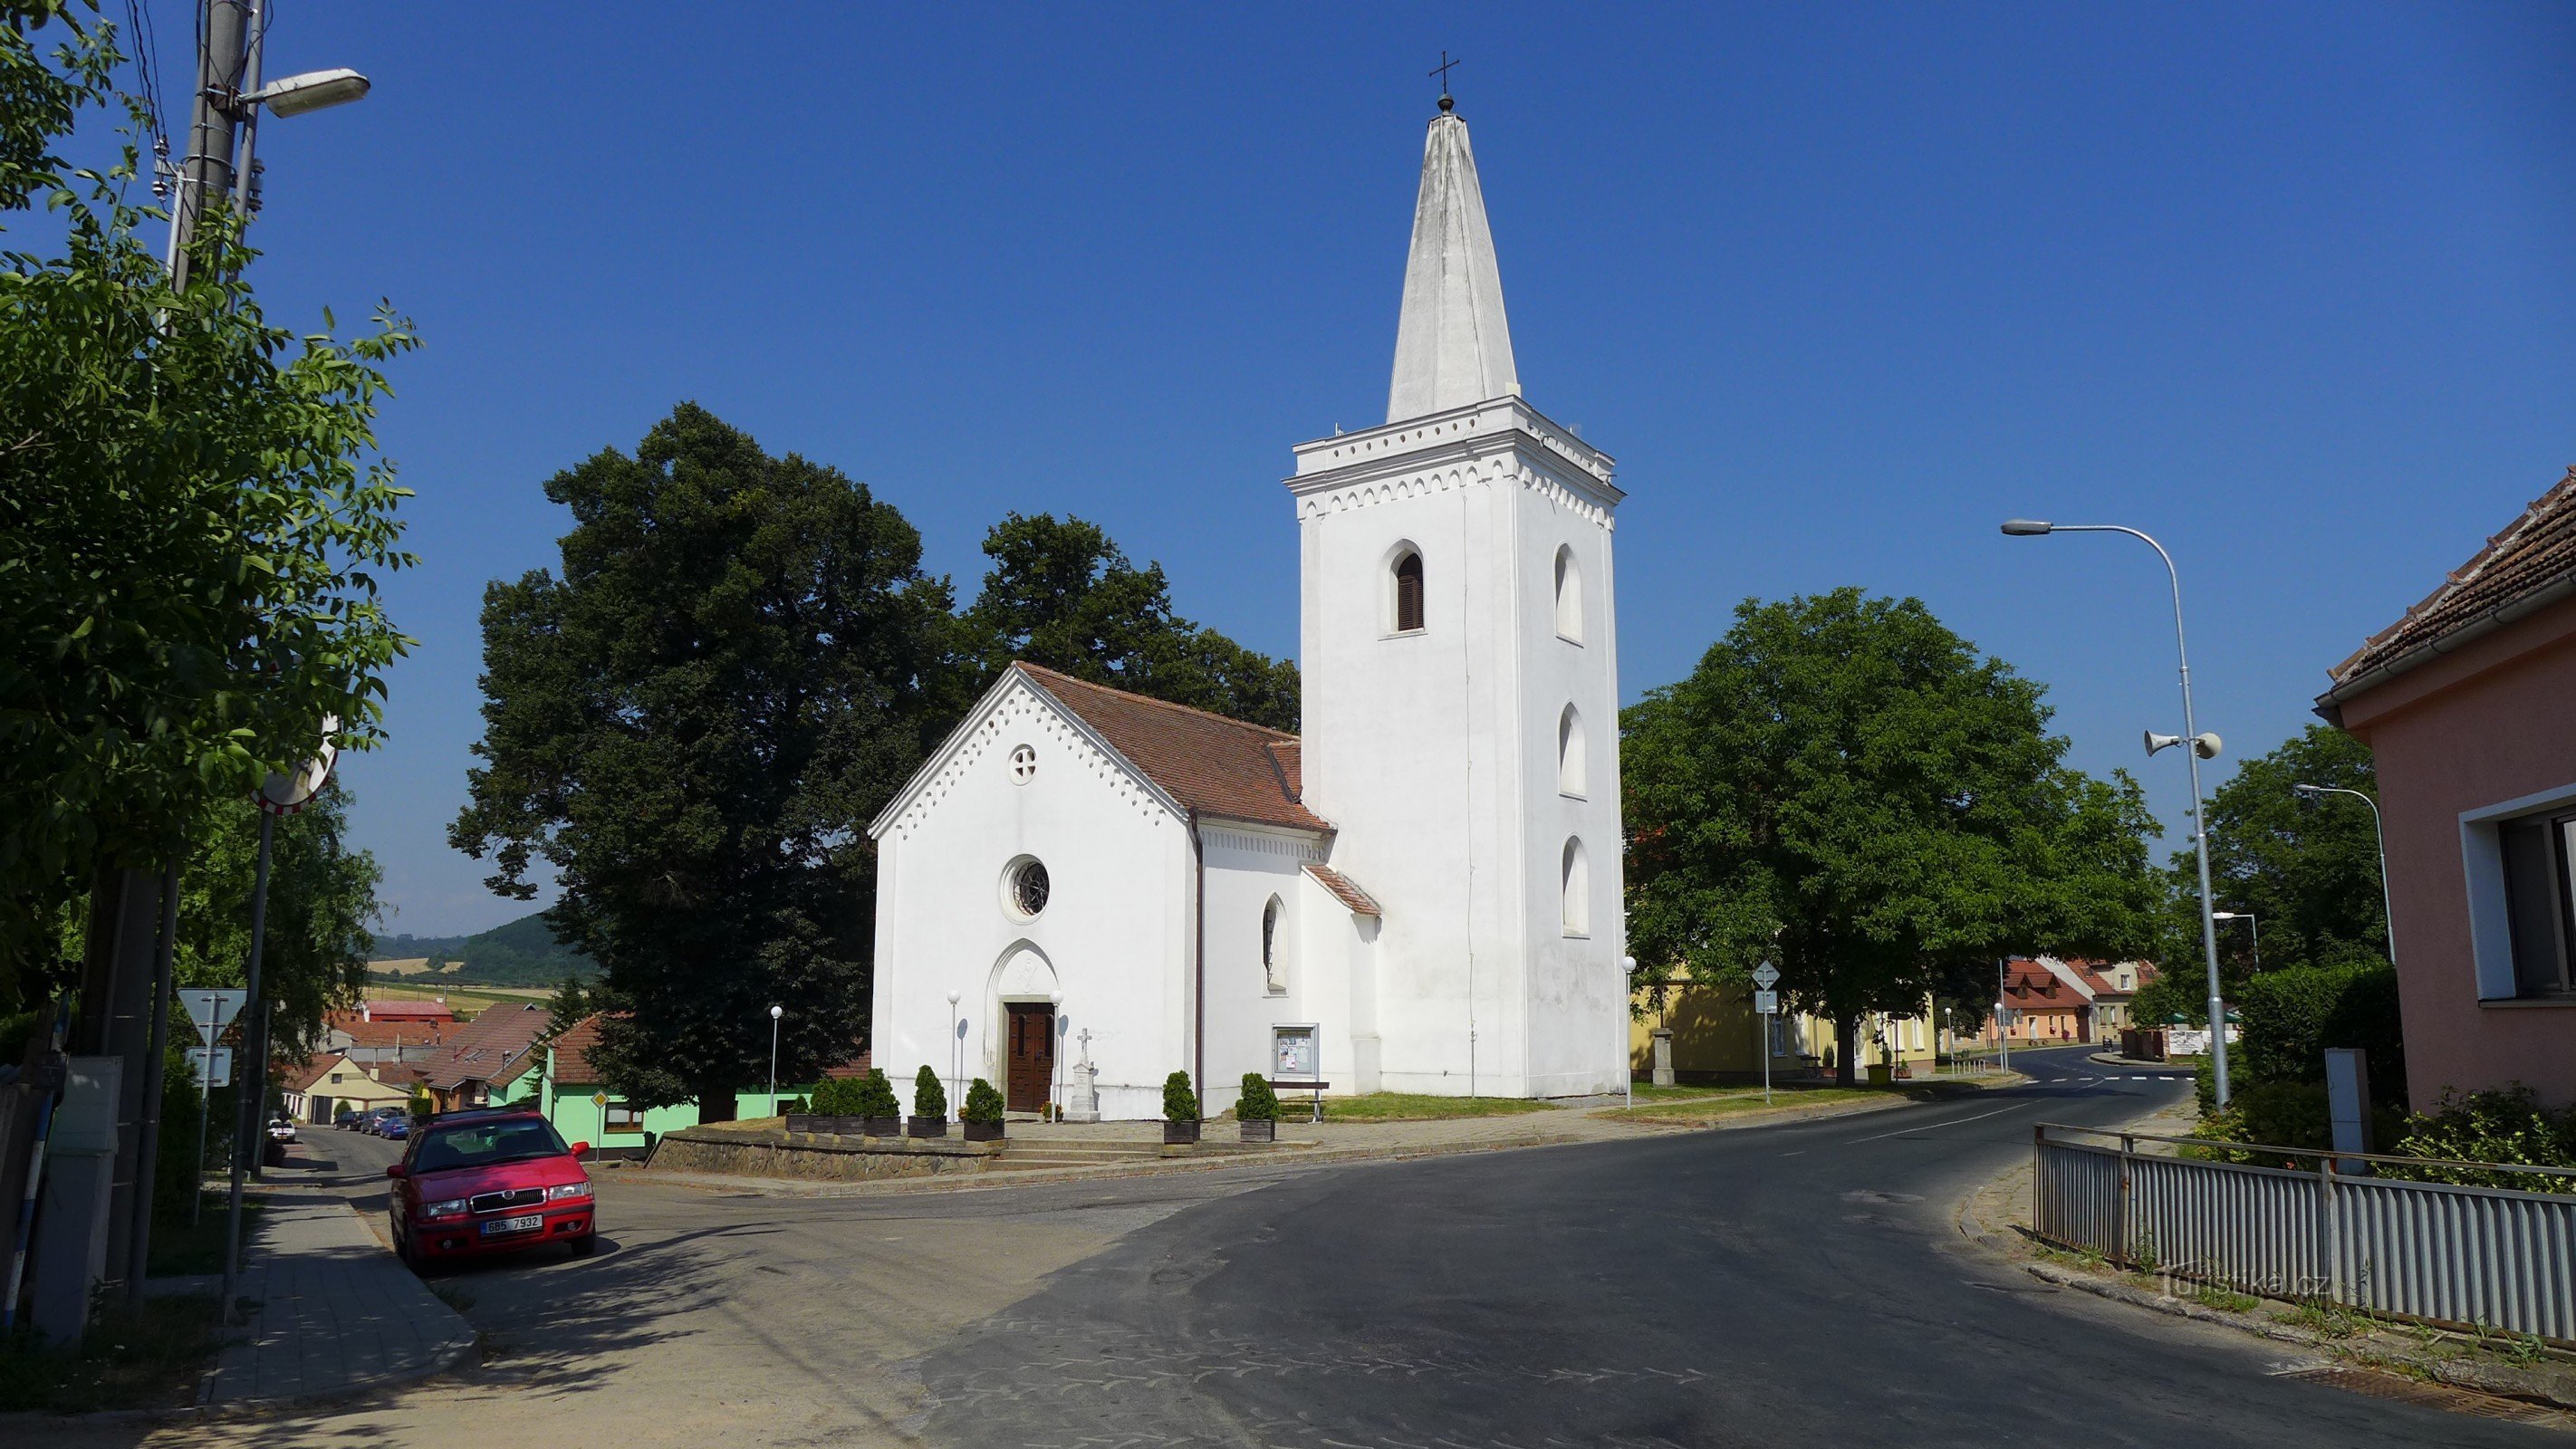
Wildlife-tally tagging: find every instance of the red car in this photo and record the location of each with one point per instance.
(489, 1180)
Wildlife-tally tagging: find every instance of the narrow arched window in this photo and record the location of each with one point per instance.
(1569, 753)
(1569, 596)
(1577, 909)
(1272, 976)
(1408, 593)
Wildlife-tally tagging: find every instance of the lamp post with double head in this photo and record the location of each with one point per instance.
(2311, 796)
(2202, 746)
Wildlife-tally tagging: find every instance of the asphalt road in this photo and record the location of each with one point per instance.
(1780, 1286)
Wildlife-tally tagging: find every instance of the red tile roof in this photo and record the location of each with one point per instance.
(494, 1048)
(313, 1069)
(387, 1034)
(1359, 901)
(2029, 986)
(2537, 551)
(573, 1048)
(390, 1010)
(1216, 766)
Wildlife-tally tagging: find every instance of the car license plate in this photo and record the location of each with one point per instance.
(528, 1224)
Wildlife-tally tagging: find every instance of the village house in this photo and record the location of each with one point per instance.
(2468, 705)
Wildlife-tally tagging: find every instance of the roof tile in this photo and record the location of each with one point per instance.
(2536, 550)
(1217, 766)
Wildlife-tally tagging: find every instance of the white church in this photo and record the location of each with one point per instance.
(1419, 893)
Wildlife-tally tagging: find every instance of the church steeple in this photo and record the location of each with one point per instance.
(1452, 346)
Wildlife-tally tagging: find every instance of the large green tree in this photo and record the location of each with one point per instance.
(692, 724)
(322, 912)
(193, 520)
(1061, 594)
(1847, 788)
(2308, 872)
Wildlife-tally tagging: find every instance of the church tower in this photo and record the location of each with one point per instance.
(1460, 729)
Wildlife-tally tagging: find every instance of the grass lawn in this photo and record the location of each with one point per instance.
(1712, 1102)
(1413, 1107)
(145, 1360)
(180, 1248)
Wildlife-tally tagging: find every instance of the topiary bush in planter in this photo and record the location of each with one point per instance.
(982, 1114)
(929, 1104)
(873, 1099)
(1256, 1112)
(1180, 1110)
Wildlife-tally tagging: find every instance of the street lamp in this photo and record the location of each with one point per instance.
(2248, 918)
(1055, 1056)
(2202, 747)
(775, 1012)
(2311, 796)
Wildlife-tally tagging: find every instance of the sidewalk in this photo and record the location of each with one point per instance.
(333, 1312)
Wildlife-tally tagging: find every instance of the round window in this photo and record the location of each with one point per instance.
(1027, 887)
(1024, 763)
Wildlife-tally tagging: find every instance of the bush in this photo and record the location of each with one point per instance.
(793, 1105)
(1180, 1104)
(983, 1104)
(875, 1096)
(835, 1097)
(929, 1099)
(2293, 1014)
(1259, 1103)
(422, 1108)
(2507, 1126)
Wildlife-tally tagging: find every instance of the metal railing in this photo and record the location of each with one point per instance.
(2464, 1257)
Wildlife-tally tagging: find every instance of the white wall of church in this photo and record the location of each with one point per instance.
(1247, 869)
(1435, 752)
(1112, 940)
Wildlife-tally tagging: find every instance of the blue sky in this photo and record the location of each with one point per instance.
(2293, 287)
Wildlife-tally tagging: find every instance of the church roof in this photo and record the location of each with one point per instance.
(1452, 345)
(1208, 763)
(1360, 902)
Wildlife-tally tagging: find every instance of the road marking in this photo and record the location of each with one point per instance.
(1954, 1122)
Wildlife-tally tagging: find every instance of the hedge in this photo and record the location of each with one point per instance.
(2291, 1015)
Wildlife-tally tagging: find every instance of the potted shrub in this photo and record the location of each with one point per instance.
(880, 1115)
(1257, 1110)
(929, 1105)
(801, 1115)
(1180, 1110)
(873, 1098)
(982, 1114)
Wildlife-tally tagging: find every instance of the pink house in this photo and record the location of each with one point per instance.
(2468, 704)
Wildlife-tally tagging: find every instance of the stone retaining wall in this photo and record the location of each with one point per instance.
(819, 1157)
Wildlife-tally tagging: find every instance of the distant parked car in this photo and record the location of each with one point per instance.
(345, 1119)
(396, 1128)
(489, 1180)
(375, 1121)
(281, 1128)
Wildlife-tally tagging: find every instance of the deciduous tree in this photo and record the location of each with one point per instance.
(739, 663)
(1847, 788)
(2308, 874)
(1062, 595)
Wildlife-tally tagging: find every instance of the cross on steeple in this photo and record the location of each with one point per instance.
(1442, 70)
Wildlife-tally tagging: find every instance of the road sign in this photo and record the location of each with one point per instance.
(214, 1065)
(1767, 1003)
(212, 1008)
(599, 1099)
(1766, 975)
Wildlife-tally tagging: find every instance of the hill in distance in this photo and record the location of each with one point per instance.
(519, 953)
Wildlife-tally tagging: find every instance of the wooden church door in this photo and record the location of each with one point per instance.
(1032, 1061)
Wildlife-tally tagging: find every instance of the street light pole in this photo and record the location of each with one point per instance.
(2379, 827)
(2192, 747)
(775, 1012)
(2251, 924)
(1619, 1019)
(957, 1047)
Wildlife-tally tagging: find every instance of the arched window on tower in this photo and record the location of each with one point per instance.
(1577, 909)
(1569, 753)
(1569, 596)
(1408, 592)
(1272, 976)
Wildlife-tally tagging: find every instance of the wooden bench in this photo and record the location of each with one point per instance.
(1317, 1088)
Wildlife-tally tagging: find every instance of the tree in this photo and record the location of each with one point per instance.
(2307, 873)
(738, 666)
(322, 913)
(1061, 595)
(193, 521)
(571, 1002)
(1843, 786)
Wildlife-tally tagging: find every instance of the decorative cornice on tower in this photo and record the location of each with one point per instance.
(1453, 346)
(1482, 443)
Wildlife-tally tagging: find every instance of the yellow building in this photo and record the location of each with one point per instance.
(1717, 1036)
